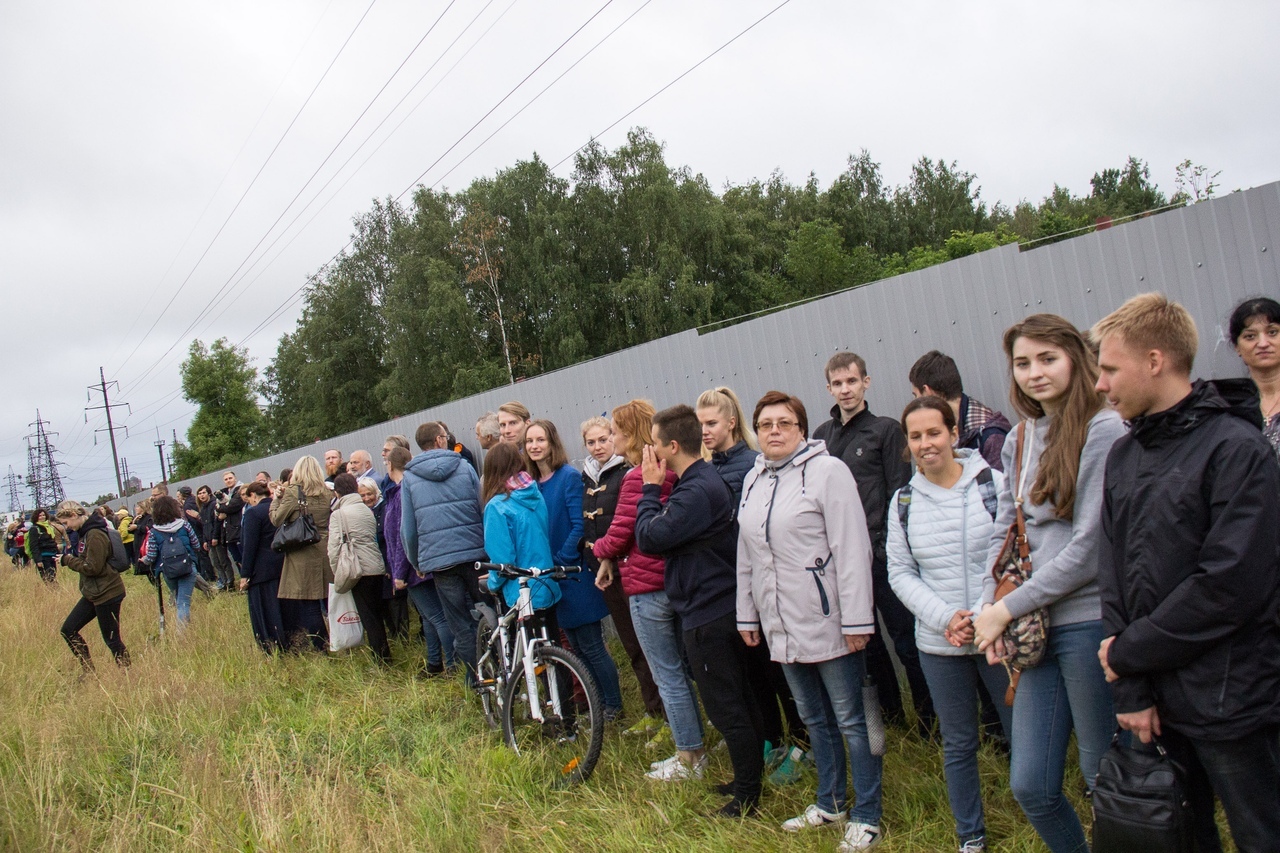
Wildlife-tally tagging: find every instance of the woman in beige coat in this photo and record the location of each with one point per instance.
(305, 578)
(355, 528)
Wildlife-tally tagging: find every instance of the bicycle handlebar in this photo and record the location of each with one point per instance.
(509, 571)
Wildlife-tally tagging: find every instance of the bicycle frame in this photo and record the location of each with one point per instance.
(519, 654)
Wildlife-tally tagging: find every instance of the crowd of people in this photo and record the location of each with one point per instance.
(748, 563)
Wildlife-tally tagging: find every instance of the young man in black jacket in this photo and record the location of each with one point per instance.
(1187, 570)
(696, 534)
(874, 448)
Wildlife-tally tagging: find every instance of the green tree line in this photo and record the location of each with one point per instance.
(524, 271)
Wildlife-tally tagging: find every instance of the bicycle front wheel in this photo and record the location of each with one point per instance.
(564, 745)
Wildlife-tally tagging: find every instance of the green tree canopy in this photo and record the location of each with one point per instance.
(227, 427)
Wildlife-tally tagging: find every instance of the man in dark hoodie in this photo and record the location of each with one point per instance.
(1187, 570)
(695, 532)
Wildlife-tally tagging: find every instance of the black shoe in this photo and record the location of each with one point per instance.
(726, 789)
(736, 808)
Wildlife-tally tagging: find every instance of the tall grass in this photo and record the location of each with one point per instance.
(207, 744)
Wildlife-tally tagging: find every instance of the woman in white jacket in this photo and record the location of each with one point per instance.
(804, 584)
(353, 525)
(939, 527)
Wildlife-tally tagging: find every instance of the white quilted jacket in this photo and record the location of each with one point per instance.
(942, 570)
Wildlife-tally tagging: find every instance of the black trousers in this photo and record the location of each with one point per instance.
(108, 616)
(264, 615)
(303, 622)
(368, 595)
(721, 667)
(902, 631)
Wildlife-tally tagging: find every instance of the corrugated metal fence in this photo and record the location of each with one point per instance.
(1208, 257)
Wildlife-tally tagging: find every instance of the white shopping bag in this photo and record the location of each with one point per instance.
(345, 630)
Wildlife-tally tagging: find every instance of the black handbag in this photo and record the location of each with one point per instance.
(1139, 805)
(298, 533)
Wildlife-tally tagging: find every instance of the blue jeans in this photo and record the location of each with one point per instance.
(661, 636)
(954, 682)
(182, 589)
(458, 592)
(829, 698)
(435, 628)
(588, 641)
(1067, 689)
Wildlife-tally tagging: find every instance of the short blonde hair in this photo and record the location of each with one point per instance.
(1150, 321)
(596, 422)
(67, 509)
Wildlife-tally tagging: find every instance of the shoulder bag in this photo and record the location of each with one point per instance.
(346, 571)
(1139, 803)
(1025, 637)
(298, 533)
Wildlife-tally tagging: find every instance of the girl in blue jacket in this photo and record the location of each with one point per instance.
(515, 526)
(582, 608)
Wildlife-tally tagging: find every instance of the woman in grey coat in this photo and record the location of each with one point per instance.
(352, 526)
(804, 583)
(940, 525)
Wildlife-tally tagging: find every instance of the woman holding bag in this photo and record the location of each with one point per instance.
(306, 575)
(353, 529)
(1067, 434)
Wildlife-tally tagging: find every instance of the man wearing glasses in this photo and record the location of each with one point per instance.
(874, 448)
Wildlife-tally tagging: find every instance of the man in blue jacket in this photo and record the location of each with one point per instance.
(442, 528)
(696, 534)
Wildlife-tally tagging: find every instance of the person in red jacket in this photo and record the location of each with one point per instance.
(643, 577)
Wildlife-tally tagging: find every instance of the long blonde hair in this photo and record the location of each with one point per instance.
(308, 474)
(1064, 441)
(723, 400)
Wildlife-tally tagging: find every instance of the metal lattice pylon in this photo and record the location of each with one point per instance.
(43, 479)
(15, 500)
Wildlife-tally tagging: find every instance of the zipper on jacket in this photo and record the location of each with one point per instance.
(818, 571)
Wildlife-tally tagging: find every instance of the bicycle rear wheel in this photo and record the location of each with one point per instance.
(565, 744)
(489, 684)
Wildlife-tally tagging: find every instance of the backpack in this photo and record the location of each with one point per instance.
(119, 559)
(173, 558)
(986, 488)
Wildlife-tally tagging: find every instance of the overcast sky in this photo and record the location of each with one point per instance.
(129, 131)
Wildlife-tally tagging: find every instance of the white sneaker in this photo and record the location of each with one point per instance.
(666, 762)
(679, 771)
(974, 845)
(813, 816)
(859, 836)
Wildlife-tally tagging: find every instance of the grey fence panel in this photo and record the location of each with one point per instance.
(1208, 257)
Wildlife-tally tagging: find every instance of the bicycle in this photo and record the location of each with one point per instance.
(543, 695)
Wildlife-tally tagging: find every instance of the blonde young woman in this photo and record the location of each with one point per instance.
(305, 578)
(101, 587)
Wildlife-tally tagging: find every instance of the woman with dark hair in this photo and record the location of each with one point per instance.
(42, 545)
(260, 568)
(173, 552)
(101, 587)
(804, 583)
(516, 530)
(582, 608)
(1068, 434)
(352, 524)
(940, 525)
(1255, 333)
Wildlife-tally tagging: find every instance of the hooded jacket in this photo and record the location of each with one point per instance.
(937, 565)
(99, 583)
(696, 534)
(516, 532)
(874, 448)
(190, 541)
(804, 556)
(1188, 565)
(352, 522)
(440, 520)
(640, 571)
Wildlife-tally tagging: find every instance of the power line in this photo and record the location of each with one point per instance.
(261, 168)
(687, 72)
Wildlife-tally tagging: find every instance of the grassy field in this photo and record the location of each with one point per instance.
(207, 744)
